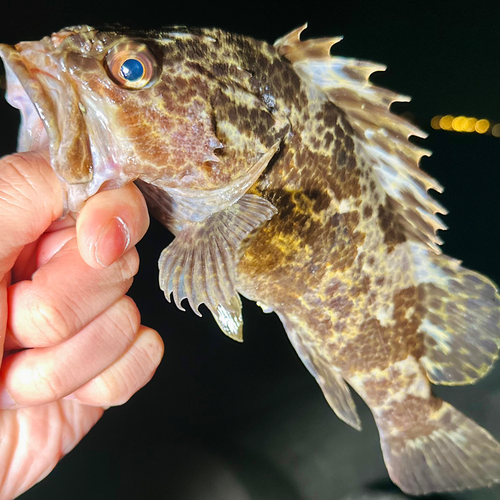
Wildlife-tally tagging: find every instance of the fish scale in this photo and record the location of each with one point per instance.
(286, 179)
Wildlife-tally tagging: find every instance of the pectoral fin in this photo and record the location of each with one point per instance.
(229, 318)
(199, 265)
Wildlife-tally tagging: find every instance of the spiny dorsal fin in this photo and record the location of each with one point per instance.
(295, 50)
(383, 135)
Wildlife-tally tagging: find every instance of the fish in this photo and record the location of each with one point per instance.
(286, 179)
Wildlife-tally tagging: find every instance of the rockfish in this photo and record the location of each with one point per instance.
(284, 178)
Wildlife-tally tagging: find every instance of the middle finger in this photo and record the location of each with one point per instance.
(63, 296)
(40, 376)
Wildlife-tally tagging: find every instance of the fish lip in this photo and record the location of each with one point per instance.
(57, 104)
(13, 60)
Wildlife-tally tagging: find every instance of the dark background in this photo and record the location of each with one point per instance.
(224, 421)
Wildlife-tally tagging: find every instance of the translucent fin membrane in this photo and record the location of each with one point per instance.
(199, 265)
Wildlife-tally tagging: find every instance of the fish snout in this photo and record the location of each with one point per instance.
(50, 109)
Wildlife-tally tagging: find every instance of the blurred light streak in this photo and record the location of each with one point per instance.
(465, 124)
(435, 122)
(470, 124)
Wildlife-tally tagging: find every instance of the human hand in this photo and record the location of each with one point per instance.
(71, 339)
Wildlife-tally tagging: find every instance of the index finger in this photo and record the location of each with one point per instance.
(30, 200)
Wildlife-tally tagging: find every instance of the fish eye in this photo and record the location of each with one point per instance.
(132, 70)
(131, 65)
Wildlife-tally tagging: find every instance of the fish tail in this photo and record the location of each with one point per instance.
(429, 446)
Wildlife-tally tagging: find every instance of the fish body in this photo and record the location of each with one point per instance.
(285, 179)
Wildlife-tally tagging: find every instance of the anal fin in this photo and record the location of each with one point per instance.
(334, 388)
(338, 395)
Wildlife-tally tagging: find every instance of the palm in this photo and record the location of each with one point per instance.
(34, 439)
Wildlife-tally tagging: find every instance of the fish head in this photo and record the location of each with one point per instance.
(114, 106)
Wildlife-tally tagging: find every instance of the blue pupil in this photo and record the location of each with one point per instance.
(132, 70)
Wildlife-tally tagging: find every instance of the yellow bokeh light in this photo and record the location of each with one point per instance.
(464, 124)
(470, 124)
(458, 123)
(446, 122)
(482, 126)
(435, 122)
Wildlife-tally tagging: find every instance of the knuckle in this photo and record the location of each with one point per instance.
(12, 179)
(15, 166)
(112, 389)
(128, 264)
(107, 388)
(116, 385)
(127, 318)
(46, 384)
(16, 183)
(47, 322)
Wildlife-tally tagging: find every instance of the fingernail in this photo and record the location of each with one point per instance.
(6, 401)
(113, 240)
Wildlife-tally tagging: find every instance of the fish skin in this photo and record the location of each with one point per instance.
(290, 160)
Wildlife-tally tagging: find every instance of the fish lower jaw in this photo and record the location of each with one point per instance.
(32, 135)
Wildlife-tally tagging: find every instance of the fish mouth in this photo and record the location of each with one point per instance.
(51, 114)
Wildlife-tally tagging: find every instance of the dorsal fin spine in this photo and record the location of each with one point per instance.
(383, 136)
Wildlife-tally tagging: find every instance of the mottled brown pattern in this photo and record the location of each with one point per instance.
(373, 343)
(391, 226)
(333, 237)
(317, 168)
(378, 346)
(367, 211)
(410, 417)
(407, 325)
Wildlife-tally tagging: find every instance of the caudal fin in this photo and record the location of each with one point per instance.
(446, 452)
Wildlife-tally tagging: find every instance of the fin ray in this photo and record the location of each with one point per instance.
(461, 323)
(334, 388)
(200, 263)
(446, 452)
